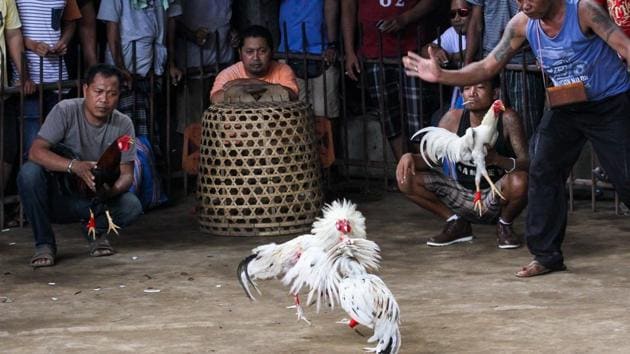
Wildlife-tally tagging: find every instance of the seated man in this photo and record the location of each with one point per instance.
(86, 127)
(256, 67)
(451, 198)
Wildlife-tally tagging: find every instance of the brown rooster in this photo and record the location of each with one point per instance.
(105, 173)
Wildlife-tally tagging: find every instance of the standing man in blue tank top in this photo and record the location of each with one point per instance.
(577, 42)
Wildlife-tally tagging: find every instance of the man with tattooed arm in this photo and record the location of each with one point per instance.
(576, 44)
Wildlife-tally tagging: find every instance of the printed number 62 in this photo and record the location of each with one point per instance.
(388, 3)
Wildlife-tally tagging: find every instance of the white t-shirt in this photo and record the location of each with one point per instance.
(450, 41)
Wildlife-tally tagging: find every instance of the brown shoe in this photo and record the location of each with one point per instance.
(454, 231)
(534, 268)
(506, 238)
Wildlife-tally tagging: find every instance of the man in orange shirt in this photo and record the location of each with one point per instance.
(256, 67)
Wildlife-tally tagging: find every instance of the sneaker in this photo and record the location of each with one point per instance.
(454, 231)
(506, 238)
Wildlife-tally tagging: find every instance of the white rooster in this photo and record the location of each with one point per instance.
(439, 143)
(364, 297)
(342, 276)
(339, 220)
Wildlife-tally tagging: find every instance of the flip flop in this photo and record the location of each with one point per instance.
(534, 268)
(46, 254)
(101, 247)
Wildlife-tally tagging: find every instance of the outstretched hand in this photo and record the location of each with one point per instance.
(425, 69)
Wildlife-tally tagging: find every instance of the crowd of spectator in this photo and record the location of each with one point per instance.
(190, 41)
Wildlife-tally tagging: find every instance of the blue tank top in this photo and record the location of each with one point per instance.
(571, 56)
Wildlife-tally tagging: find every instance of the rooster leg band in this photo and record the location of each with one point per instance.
(352, 323)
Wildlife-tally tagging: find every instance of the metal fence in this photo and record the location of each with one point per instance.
(355, 171)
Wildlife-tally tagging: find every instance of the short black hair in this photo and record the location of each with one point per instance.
(105, 70)
(256, 31)
(495, 81)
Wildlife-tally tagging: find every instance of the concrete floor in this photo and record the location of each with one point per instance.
(462, 298)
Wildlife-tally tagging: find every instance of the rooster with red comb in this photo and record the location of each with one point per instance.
(439, 143)
(334, 264)
(340, 220)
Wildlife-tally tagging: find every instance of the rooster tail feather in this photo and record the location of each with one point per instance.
(244, 279)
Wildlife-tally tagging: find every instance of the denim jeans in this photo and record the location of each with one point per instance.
(32, 117)
(555, 148)
(45, 202)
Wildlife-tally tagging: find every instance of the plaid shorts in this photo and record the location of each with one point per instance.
(387, 95)
(516, 87)
(460, 199)
(139, 113)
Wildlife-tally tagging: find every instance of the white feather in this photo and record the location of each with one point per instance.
(471, 148)
(340, 210)
(273, 260)
(334, 268)
(367, 299)
(438, 143)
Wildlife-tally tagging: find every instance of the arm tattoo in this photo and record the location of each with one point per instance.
(516, 135)
(602, 20)
(503, 49)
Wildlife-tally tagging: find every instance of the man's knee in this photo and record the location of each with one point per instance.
(130, 208)
(405, 187)
(517, 184)
(31, 175)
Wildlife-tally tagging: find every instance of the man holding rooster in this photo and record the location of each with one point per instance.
(576, 45)
(59, 183)
(452, 197)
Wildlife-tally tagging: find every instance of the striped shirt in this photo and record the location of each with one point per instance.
(9, 20)
(42, 22)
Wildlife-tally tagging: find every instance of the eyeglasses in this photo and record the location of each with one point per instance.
(461, 12)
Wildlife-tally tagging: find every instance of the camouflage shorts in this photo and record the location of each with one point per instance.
(460, 199)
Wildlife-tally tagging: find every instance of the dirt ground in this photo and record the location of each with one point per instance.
(458, 299)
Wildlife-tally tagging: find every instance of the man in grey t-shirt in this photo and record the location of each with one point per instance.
(85, 127)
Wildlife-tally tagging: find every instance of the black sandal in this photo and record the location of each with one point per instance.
(43, 253)
(101, 247)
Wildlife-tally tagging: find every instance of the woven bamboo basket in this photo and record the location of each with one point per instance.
(259, 169)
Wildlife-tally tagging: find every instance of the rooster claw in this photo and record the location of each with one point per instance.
(300, 313)
(478, 207)
(493, 188)
(110, 224)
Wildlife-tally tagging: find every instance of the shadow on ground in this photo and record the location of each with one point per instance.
(462, 298)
